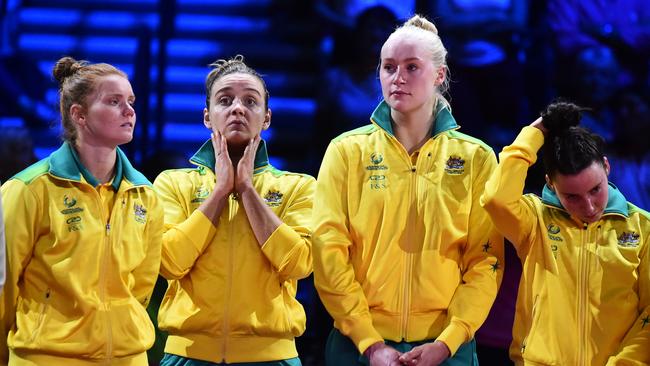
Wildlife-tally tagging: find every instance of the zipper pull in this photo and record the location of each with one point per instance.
(108, 228)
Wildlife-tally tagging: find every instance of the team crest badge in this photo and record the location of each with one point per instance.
(140, 213)
(273, 198)
(628, 239)
(455, 165)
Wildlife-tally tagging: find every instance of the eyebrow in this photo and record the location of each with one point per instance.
(407, 59)
(119, 95)
(228, 88)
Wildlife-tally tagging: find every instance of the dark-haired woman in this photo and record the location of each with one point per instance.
(84, 234)
(584, 294)
(236, 237)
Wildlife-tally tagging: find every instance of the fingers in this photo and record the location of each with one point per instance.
(411, 356)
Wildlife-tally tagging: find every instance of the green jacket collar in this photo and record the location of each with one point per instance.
(616, 203)
(205, 156)
(444, 120)
(65, 163)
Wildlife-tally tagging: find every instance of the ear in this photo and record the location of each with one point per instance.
(549, 183)
(440, 75)
(78, 115)
(206, 119)
(267, 120)
(606, 165)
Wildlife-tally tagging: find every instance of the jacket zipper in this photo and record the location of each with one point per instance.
(583, 269)
(232, 212)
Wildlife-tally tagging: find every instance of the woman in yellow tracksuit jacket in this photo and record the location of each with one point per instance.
(236, 237)
(584, 295)
(403, 252)
(84, 235)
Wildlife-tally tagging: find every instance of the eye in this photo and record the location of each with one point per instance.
(251, 102)
(412, 67)
(389, 67)
(224, 101)
(114, 101)
(595, 190)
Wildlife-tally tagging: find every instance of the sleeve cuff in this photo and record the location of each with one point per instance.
(279, 246)
(363, 335)
(453, 336)
(198, 229)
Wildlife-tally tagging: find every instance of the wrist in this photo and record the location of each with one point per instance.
(373, 348)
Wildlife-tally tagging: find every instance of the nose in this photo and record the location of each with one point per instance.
(399, 77)
(237, 107)
(129, 110)
(590, 207)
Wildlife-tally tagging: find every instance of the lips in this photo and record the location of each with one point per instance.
(398, 92)
(127, 124)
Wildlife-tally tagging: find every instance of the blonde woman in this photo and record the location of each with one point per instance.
(405, 259)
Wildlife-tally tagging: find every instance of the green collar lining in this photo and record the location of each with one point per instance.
(444, 120)
(205, 156)
(65, 163)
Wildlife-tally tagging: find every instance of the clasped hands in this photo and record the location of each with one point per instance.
(428, 354)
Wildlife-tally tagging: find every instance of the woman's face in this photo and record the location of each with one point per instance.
(584, 194)
(237, 108)
(409, 79)
(109, 118)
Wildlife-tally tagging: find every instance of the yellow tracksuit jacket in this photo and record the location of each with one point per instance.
(584, 294)
(79, 270)
(402, 249)
(230, 300)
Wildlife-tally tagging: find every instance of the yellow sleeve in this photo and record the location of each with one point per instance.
(634, 349)
(22, 210)
(289, 248)
(512, 213)
(146, 274)
(334, 275)
(482, 267)
(185, 235)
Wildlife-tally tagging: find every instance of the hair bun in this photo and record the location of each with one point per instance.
(561, 116)
(422, 23)
(66, 67)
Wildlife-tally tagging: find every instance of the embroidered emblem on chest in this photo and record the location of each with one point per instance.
(455, 165)
(273, 198)
(628, 239)
(200, 194)
(140, 213)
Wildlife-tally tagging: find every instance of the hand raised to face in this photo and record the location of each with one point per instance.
(223, 168)
(244, 174)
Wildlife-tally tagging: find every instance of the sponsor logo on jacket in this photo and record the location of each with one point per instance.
(553, 232)
(455, 165)
(70, 203)
(273, 198)
(628, 239)
(376, 159)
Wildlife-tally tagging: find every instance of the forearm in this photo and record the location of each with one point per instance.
(214, 204)
(262, 219)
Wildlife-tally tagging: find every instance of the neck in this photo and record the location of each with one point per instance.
(235, 153)
(413, 129)
(99, 160)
